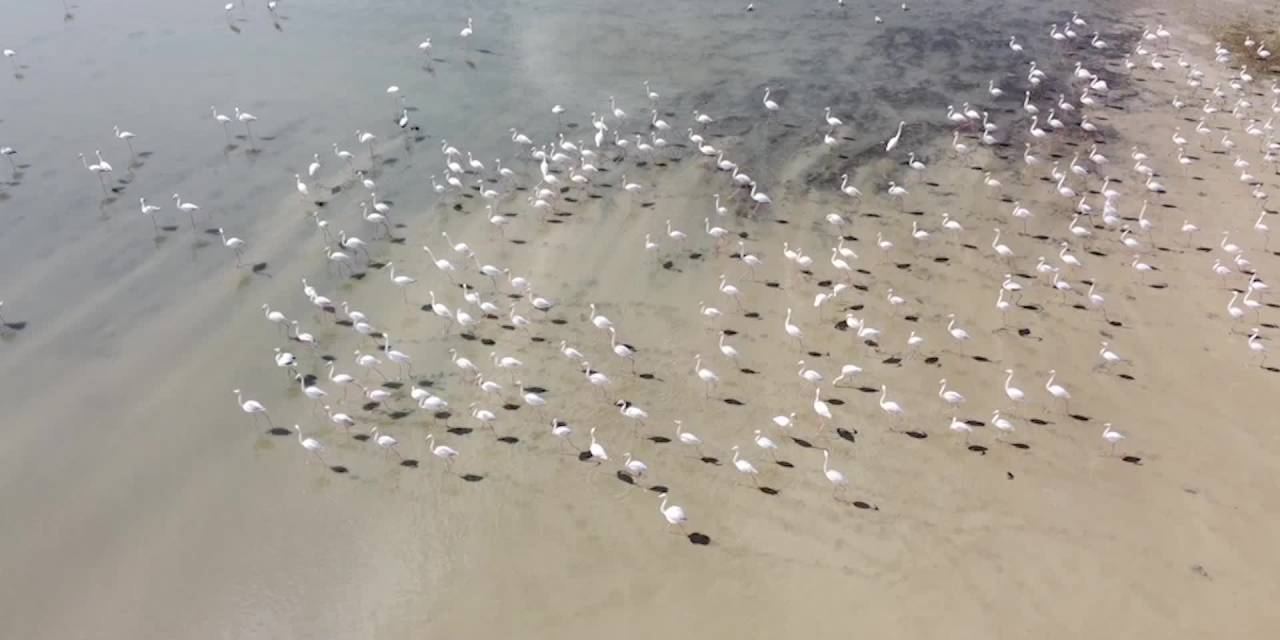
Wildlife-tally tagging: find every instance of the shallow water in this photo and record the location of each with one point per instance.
(125, 463)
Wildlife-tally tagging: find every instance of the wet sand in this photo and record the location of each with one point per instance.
(206, 526)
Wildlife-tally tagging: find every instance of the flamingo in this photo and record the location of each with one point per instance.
(1057, 391)
(253, 408)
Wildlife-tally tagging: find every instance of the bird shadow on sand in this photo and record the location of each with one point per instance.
(860, 504)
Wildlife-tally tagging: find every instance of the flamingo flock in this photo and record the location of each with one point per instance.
(753, 317)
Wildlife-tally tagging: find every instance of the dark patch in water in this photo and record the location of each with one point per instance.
(803, 443)
(1020, 445)
(509, 439)
(708, 460)
(918, 435)
(1134, 460)
(835, 402)
(733, 402)
(978, 449)
(784, 464)
(409, 463)
(769, 491)
(1125, 376)
(931, 360)
(647, 376)
(659, 439)
(846, 434)
(626, 477)
(700, 538)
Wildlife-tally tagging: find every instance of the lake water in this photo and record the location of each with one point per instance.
(137, 501)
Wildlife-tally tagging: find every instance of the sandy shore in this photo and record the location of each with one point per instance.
(1057, 538)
